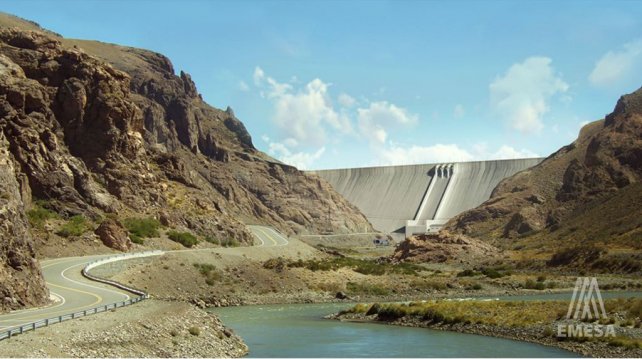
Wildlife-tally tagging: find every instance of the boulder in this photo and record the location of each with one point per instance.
(114, 235)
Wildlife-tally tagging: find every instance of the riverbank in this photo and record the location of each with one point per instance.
(534, 322)
(152, 328)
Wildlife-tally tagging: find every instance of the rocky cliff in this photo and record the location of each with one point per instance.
(581, 206)
(22, 283)
(100, 130)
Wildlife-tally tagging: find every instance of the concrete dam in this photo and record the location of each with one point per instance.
(411, 199)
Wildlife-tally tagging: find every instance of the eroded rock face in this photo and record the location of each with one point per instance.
(22, 283)
(606, 157)
(111, 129)
(114, 235)
(443, 247)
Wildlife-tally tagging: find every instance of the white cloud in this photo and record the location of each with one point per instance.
(243, 86)
(507, 152)
(258, 76)
(439, 153)
(397, 155)
(459, 111)
(346, 100)
(522, 94)
(616, 66)
(303, 115)
(300, 160)
(374, 120)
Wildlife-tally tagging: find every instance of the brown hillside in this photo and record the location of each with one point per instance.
(101, 130)
(581, 207)
(586, 197)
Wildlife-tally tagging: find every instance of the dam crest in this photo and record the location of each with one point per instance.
(411, 199)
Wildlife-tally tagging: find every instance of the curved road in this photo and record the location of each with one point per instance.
(268, 236)
(74, 293)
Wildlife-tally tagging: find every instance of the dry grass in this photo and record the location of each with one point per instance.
(500, 313)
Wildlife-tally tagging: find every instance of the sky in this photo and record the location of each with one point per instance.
(333, 84)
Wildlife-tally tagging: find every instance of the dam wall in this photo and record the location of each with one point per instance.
(412, 199)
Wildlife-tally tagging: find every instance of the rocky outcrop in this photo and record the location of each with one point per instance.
(584, 195)
(114, 235)
(97, 129)
(22, 283)
(443, 247)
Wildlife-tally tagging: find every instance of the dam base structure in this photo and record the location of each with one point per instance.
(413, 199)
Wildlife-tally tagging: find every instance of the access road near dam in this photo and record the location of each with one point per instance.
(73, 293)
(410, 199)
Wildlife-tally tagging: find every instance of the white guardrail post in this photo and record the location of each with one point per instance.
(85, 272)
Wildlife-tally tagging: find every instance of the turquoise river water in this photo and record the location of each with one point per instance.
(299, 330)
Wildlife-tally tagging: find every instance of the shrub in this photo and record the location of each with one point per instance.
(374, 309)
(492, 273)
(467, 273)
(477, 286)
(185, 238)
(363, 288)
(76, 226)
(229, 242)
(173, 332)
(541, 278)
(278, 264)
(38, 215)
(531, 284)
(209, 272)
(390, 312)
(195, 331)
(140, 228)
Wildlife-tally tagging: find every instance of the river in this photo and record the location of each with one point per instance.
(298, 330)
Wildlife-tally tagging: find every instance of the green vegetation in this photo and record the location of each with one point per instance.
(195, 331)
(39, 215)
(362, 266)
(185, 238)
(229, 242)
(141, 228)
(74, 227)
(490, 272)
(365, 288)
(209, 272)
(225, 242)
(278, 264)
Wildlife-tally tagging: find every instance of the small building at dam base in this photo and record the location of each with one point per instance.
(412, 199)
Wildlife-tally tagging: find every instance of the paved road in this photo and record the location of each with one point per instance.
(268, 237)
(73, 292)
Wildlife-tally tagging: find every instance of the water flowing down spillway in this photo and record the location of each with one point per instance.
(396, 197)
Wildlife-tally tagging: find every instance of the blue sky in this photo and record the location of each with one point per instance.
(357, 83)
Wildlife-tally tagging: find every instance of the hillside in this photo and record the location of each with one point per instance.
(97, 131)
(580, 207)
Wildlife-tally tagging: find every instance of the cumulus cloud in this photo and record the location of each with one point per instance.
(402, 155)
(507, 152)
(615, 66)
(301, 160)
(346, 100)
(378, 116)
(521, 96)
(303, 115)
(439, 153)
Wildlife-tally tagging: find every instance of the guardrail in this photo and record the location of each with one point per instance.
(95, 310)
